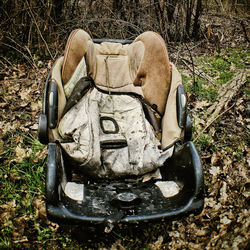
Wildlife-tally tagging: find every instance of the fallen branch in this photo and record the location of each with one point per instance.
(226, 94)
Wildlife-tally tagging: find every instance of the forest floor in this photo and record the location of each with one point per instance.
(219, 105)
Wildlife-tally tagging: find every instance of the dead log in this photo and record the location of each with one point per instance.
(225, 95)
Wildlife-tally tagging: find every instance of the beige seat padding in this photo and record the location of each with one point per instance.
(154, 73)
(56, 77)
(108, 65)
(141, 67)
(171, 132)
(75, 49)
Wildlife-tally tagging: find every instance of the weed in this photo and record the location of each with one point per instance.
(225, 77)
(220, 64)
(202, 91)
(238, 156)
(20, 182)
(204, 142)
(43, 233)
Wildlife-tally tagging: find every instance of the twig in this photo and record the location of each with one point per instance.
(195, 83)
(19, 51)
(31, 57)
(34, 64)
(244, 30)
(197, 72)
(177, 57)
(6, 61)
(101, 20)
(39, 30)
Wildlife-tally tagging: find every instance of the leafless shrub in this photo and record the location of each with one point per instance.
(42, 26)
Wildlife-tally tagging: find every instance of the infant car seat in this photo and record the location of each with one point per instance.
(118, 134)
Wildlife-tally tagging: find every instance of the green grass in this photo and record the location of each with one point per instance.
(202, 91)
(222, 66)
(204, 142)
(20, 182)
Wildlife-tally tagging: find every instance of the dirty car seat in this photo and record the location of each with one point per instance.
(115, 120)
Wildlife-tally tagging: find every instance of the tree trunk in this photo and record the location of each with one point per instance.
(196, 26)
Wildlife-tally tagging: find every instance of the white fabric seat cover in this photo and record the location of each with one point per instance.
(123, 119)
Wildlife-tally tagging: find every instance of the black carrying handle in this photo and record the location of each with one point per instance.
(52, 105)
(43, 120)
(181, 101)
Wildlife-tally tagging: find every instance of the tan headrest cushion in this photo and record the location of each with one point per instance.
(140, 67)
(75, 49)
(154, 72)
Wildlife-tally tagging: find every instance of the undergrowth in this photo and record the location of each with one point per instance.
(23, 165)
(221, 68)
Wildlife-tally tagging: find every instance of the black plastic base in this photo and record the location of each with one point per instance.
(126, 201)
